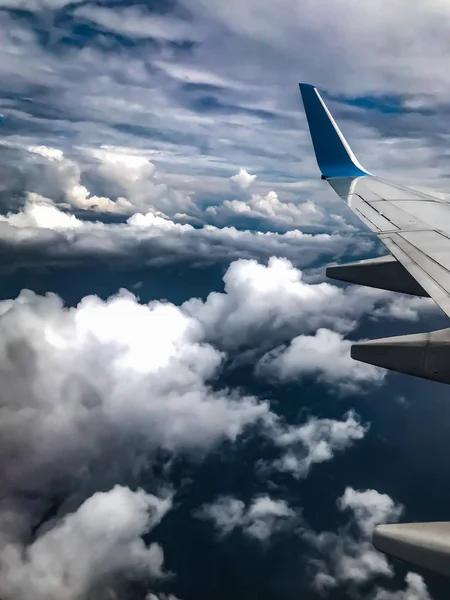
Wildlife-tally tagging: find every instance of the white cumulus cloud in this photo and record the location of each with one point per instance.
(316, 441)
(129, 179)
(242, 180)
(326, 355)
(369, 508)
(113, 382)
(99, 541)
(90, 395)
(274, 210)
(273, 301)
(260, 519)
(41, 214)
(415, 589)
(347, 557)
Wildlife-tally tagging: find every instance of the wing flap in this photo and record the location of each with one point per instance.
(426, 256)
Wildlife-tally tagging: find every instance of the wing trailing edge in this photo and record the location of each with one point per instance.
(424, 355)
(425, 545)
(383, 273)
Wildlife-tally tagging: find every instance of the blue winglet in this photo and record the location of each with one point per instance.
(334, 156)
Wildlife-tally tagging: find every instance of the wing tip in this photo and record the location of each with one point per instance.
(304, 88)
(334, 155)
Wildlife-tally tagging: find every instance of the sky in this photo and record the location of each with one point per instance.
(180, 418)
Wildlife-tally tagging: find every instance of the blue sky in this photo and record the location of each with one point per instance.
(180, 415)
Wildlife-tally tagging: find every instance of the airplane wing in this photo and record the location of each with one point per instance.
(415, 228)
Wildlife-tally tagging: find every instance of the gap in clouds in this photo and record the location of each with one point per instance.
(176, 283)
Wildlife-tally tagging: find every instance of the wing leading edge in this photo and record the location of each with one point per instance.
(415, 228)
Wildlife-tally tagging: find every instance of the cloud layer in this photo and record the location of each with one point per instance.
(41, 234)
(168, 85)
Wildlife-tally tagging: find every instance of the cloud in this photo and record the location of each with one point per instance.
(117, 365)
(242, 180)
(315, 442)
(124, 375)
(37, 213)
(273, 302)
(137, 23)
(326, 355)
(260, 519)
(406, 308)
(282, 35)
(127, 381)
(91, 396)
(415, 590)
(348, 557)
(369, 508)
(115, 382)
(86, 549)
(123, 181)
(263, 306)
(272, 209)
(128, 177)
(199, 118)
(42, 234)
(36, 5)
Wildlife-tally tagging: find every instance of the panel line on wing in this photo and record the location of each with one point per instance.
(371, 204)
(366, 219)
(405, 230)
(369, 215)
